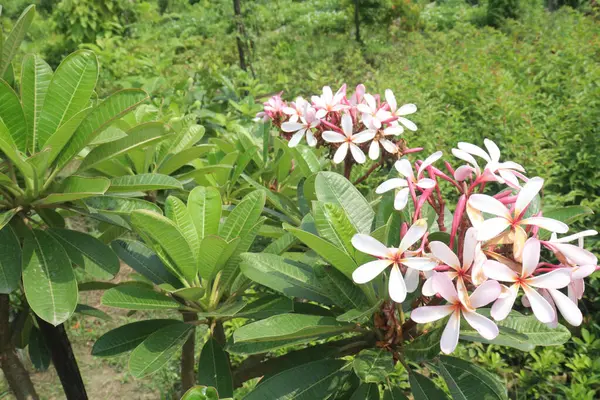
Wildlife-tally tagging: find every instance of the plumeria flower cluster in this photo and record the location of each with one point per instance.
(353, 127)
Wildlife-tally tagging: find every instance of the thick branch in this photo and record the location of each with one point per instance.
(188, 377)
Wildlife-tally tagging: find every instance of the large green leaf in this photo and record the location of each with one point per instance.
(163, 232)
(113, 107)
(214, 253)
(373, 365)
(334, 225)
(143, 183)
(249, 348)
(285, 276)
(213, 368)
(120, 205)
(137, 297)
(15, 37)
(6, 216)
(394, 393)
(127, 337)
(187, 138)
(138, 137)
(290, 326)
(315, 380)
(176, 161)
(48, 279)
(75, 188)
(201, 393)
(177, 212)
(10, 152)
(467, 381)
(366, 391)
(334, 188)
(425, 347)
(10, 260)
(88, 252)
(59, 139)
(39, 354)
(266, 306)
(204, 204)
(158, 348)
(423, 388)
(68, 93)
(11, 114)
(243, 217)
(35, 78)
(341, 289)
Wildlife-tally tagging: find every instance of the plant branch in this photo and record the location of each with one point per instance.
(368, 173)
(188, 377)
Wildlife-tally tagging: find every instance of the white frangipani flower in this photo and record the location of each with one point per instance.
(348, 140)
(372, 113)
(327, 102)
(379, 139)
(406, 109)
(296, 110)
(303, 128)
(395, 257)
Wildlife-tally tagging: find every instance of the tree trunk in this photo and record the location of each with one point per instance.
(188, 377)
(357, 21)
(237, 11)
(63, 359)
(15, 373)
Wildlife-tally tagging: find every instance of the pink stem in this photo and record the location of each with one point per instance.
(458, 214)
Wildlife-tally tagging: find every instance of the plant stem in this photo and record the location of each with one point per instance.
(188, 377)
(15, 373)
(368, 173)
(347, 167)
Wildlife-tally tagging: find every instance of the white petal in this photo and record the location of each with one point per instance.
(405, 168)
(321, 113)
(499, 272)
(407, 109)
(333, 137)
(370, 245)
(423, 315)
(582, 272)
(419, 263)
(357, 154)
(541, 308)
(374, 153)
(576, 254)
(291, 126)
(443, 285)
(363, 136)
(469, 247)
(389, 146)
(427, 289)
(531, 256)
(488, 204)
(408, 124)
(490, 228)
(414, 233)
(370, 102)
(364, 108)
(463, 172)
(411, 279)
(492, 149)
(504, 304)
(426, 183)
(401, 199)
(549, 224)
(575, 236)
(296, 138)
(397, 288)
(567, 308)
(485, 293)
(391, 99)
(450, 335)
(463, 155)
(310, 139)
(340, 153)
(485, 326)
(390, 184)
(429, 160)
(327, 94)
(509, 177)
(475, 150)
(369, 271)
(441, 251)
(557, 279)
(393, 130)
(527, 194)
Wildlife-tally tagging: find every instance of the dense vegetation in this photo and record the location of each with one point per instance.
(525, 74)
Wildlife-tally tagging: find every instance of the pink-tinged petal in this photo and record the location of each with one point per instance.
(567, 308)
(340, 153)
(505, 302)
(369, 271)
(527, 194)
(477, 273)
(389, 146)
(291, 126)
(582, 272)
(463, 294)
(321, 113)
(370, 245)
(576, 289)
(427, 289)
(374, 152)
(426, 183)
(391, 184)
(511, 165)
(364, 108)
(519, 239)
(576, 255)
(363, 136)
(451, 332)
(531, 256)
(557, 279)
(499, 272)
(357, 154)
(419, 263)
(426, 314)
(463, 155)
(549, 224)
(296, 138)
(485, 293)
(310, 139)
(490, 228)
(542, 310)
(401, 199)
(408, 124)
(391, 99)
(469, 247)
(492, 149)
(443, 285)
(463, 172)
(575, 236)
(429, 161)
(327, 94)
(554, 323)
(442, 252)
(333, 137)
(407, 109)
(509, 177)
(485, 326)
(347, 124)
(405, 168)
(413, 235)
(488, 204)
(411, 279)
(396, 286)
(393, 130)
(370, 102)
(475, 150)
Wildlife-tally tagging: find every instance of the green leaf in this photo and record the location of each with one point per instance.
(330, 253)
(213, 368)
(51, 217)
(366, 391)
(6, 216)
(164, 233)
(334, 225)
(128, 337)
(10, 152)
(315, 380)
(120, 205)
(359, 316)
(176, 161)
(201, 393)
(158, 348)
(10, 260)
(90, 311)
(136, 297)
(373, 365)
(423, 388)
(285, 276)
(75, 188)
(334, 188)
(35, 78)
(266, 306)
(290, 326)
(425, 347)
(214, 253)
(138, 137)
(39, 354)
(143, 183)
(48, 279)
(15, 37)
(568, 215)
(177, 212)
(340, 289)
(144, 261)
(249, 348)
(243, 217)
(467, 381)
(59, 139)
(394, 394)
(88, 286)
(69, 92)
(88, 252)
(204, 205)
(113, 107)
(12, 116)
(191, 293)
(187, 138)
